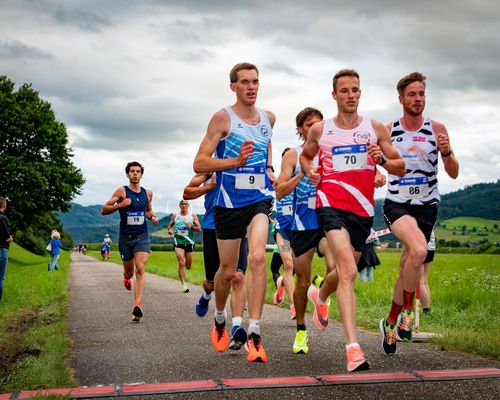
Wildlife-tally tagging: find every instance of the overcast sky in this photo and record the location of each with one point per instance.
(139, 80)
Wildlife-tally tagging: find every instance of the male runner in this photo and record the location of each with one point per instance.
(240, 135)
(134, 203)
(306, 232)
(350, 147)
(182, 226)
(410, 208)
(204, 184)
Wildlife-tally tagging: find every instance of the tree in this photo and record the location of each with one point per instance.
(38, 176)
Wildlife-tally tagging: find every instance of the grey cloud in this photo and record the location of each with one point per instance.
(85, 20)
(17, 50)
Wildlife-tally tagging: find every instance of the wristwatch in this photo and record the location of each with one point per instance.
(270, 167)
(383, 160)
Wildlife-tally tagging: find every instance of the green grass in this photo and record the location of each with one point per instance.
(477, 229)
(465, 291)
(34, 346)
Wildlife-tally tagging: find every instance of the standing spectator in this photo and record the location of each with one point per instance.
(5, 239)
(55, 250)
(369, 259)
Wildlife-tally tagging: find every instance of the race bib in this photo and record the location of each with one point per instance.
(414, 188)
(311, 200)
(250, 178)
(287, 209)
(135, 217)
(183, 232)
(348, 158)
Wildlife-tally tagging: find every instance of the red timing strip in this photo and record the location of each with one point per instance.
(169, 387)
(371, 377)
(270, 382)
(453, 374)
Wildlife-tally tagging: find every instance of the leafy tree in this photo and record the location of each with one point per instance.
(38, 176)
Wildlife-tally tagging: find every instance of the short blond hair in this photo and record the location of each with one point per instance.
(410, 78)
(233, 75)
(56, 235)
(344, 72)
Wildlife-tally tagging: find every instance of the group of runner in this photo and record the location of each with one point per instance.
(325, 203)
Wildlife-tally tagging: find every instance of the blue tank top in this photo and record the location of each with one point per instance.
(284, 212)
(133, 217)
(239, 187)
(208, 219)
(304, 206)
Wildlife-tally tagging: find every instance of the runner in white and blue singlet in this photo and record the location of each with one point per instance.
(411, 205)
(240, 136)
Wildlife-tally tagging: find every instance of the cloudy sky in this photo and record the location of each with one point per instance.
(139, 80)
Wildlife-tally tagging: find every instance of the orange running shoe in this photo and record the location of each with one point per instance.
(321, 310)
(220, 337)
(256, 352)
(127, 283)
(280, 291)
(356, 360)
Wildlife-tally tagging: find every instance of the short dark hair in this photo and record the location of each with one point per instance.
(304, 115)
(284, 151)
(134, 164)
(233, 75)
(410, 78)
(344, 72)
(3, 202)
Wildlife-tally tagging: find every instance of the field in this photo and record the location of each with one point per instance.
(465, 296)
(468, 229)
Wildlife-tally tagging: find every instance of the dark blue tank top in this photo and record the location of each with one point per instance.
(133, 217)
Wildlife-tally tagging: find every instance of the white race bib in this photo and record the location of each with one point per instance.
(311, 200)
(350, 157)
(135, 217)
(287, 209)
(183, 232)
(250, 178)
(414, 188)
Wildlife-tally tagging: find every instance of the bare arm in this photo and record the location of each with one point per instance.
(171, 224)
(311, 148)
(118, 200)
(217, 129)
(270, 171)
(286, 181)
(195, 187)
(149, 210)
(443, 141)
(394, 164)
(196, 223)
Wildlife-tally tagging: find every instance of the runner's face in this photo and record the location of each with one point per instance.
(134, 174)
(308, 123)
(413, 99)
(184, 207)
(247, 86)
(347, 94)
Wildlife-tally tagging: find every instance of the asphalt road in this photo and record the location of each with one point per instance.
(172, 344)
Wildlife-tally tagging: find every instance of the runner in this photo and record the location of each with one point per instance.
(282, 234)
(410, 208)
(350, 147)
(241, 137)
(134, 203)
(306, 233)
(182, 226)
(106, 247)
(204, 184)
(369, 259)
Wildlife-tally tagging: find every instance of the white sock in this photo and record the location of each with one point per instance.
(220, 316)
(318, 297)
(237, 321)
(207, 296)
(350, 345)
(254, 326)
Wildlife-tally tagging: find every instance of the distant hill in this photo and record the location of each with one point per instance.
(86, 224)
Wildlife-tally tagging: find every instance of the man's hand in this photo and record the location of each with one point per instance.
(314, 176)
(125, 202)
(246, 150)
(375, 152)
(155, 220)
(443, 143)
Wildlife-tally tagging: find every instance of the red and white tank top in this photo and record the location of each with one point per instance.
(347, 171)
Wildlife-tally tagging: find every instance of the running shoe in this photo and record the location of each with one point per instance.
(300, 345)
(202, 306)
(127, 283)
(318, 280)
(293, 314)
(356, 360)
(220, 337)
(388, 337)
(184, 288)
(137, 314)
(321, 311)
(238, 337)
(405, 325)
(256, 352)
(280, 291)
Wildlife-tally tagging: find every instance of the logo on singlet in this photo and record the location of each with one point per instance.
(264, 131)
(361, 137)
